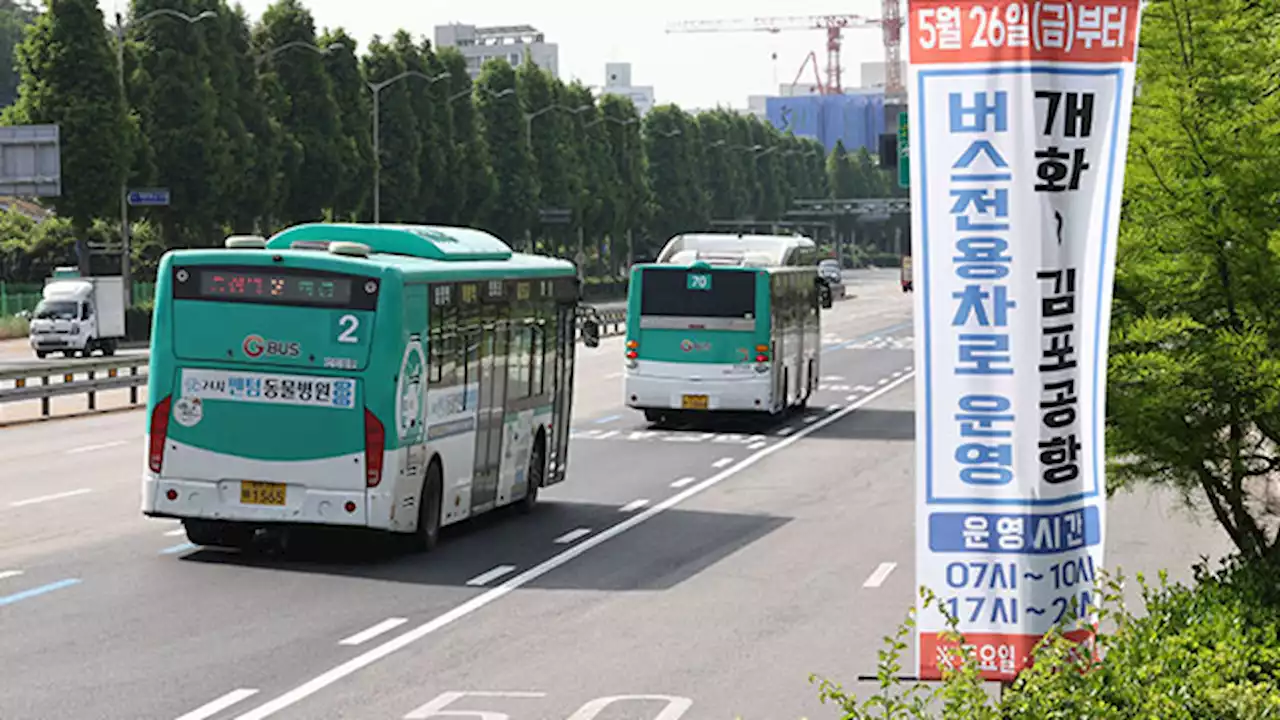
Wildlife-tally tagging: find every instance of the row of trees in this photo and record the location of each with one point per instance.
(257, 127)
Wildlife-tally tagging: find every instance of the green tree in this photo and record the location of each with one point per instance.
(355, 139)
(257, 202)
(179, 114)
(547, 126)
(306, 111)
(68, 69)
(399, 142)
(516, 201)
(592, 184)
(628, 206)
(14, 19)
(679, 200)
(473, 184)
(426, 90)
(724, 174)
(1194, 382)
(232, 148)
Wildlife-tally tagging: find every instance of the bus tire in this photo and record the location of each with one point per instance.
(653, 416)
(537, 472)
(427, 534)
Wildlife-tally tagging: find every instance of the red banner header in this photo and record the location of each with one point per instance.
(971, 31)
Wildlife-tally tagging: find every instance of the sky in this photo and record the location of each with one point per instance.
(695, 71)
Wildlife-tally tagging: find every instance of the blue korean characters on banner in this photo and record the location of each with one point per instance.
(1019, 124)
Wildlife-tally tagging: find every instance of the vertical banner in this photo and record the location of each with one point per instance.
(1019, 128)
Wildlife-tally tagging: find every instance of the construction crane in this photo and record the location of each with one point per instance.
(890, 24)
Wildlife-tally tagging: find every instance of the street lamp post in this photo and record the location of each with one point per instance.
(376, 89)
(528, 118)
(126, 250)
(317, 49)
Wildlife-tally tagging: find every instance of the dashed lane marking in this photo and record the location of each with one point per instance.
(374, 654)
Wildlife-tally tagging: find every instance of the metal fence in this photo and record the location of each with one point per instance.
(20, 297)
(44, 381)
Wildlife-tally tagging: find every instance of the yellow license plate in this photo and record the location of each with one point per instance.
(261, 493)
(693, 402)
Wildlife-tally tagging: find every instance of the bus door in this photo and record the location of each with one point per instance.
(493, 400)
(562, 403)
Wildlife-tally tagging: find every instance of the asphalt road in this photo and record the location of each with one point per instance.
(705, 571)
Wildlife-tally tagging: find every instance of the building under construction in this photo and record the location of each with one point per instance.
(830, 112)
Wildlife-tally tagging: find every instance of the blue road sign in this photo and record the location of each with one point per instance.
(149, 196)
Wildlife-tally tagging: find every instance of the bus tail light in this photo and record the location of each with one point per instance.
(159, 433)
(375, 439)
(632, 344)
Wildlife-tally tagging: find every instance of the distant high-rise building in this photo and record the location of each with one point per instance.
(617, 81)
(508, 42)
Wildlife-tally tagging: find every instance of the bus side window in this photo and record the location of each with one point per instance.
(535, 359)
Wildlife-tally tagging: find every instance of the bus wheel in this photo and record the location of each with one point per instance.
(427, 536)
(653, 416)
(537, 469)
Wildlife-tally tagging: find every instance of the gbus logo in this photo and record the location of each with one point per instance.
(256, 346)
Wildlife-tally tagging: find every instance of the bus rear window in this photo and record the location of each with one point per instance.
(698, 293)
(275, 286)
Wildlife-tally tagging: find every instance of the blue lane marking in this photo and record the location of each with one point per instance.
(33, 592)
(609, 419)
(178, 548)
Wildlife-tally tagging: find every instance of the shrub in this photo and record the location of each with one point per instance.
(1211, 650)
(12, 327)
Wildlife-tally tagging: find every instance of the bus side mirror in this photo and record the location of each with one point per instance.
(590, 333)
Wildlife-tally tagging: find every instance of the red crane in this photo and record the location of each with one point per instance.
(891, 25)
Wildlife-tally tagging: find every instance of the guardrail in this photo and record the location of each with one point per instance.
(45, 381)
(89, 377)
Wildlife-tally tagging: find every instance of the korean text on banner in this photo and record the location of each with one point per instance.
(1019, 128)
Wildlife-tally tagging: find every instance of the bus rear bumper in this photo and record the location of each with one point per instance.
(176, 498)
(741, 394)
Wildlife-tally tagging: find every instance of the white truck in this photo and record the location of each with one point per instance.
(78, 315)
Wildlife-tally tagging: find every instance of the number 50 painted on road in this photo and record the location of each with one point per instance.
(675, 708)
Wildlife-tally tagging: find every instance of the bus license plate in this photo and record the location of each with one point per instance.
(261, 493)
(693, 402)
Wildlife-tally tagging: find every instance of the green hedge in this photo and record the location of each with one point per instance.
(1210, 651)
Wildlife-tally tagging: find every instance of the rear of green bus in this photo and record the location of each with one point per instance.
(699, 339)
(261, 408)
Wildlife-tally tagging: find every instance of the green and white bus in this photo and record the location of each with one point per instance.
(724, 322)
(395, 377)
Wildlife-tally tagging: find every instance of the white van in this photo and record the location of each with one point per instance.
(78, 315)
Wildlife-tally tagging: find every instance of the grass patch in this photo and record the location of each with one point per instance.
(12, 327)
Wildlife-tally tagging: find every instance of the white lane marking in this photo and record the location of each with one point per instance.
(906, 369)
(572, 536)
(683, 481)
(785, 431)
(494, 594)
(210, 709)
(757, 445)
(833, 408)
(605, 435)
(373, 632)
(897, 373)
(47, 498)
(633, 506)
(863, 388)
(444, 699)
(722, 462)
(488, 576)
(6, 574)
(882, 381)
(99, 446)
(176, 533)
(850, 398)
(879, 575)
(832, 378)
(812, 419)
